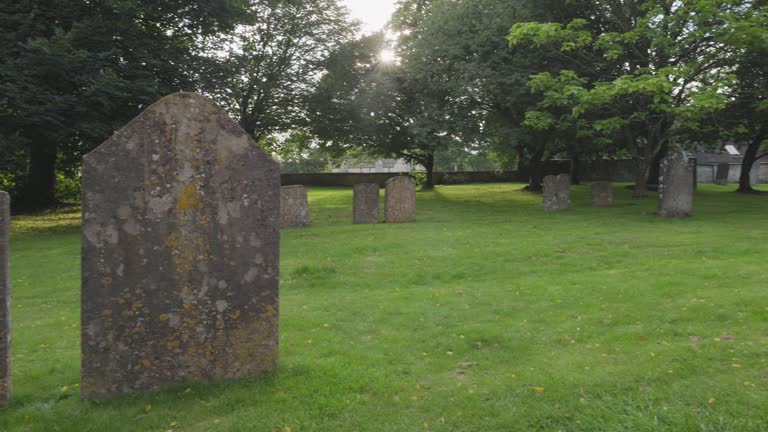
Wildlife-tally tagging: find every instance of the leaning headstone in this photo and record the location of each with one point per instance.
(294, 207)
(602, 194)
(676, 187)
(557, 192)
(5, 302)
(400, 202)
(180, 252)
(721, 175)
(365, 208)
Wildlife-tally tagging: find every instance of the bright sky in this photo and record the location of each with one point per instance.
(373, 13)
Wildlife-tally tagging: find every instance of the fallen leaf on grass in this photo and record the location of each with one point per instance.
(538, 389)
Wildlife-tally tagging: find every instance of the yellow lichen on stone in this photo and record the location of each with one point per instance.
(188, 198)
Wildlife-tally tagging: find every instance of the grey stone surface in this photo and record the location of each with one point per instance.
(180, 252)
(5, 301)
(294, 207)
(721, 176)
(365, 207)
(557, 192)
(400, 201)
(602, 194)
(676, 187)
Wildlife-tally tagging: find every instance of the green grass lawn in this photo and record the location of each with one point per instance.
(485, 315)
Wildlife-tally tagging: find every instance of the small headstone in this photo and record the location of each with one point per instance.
(294, 207)
(400, 203)
(5, 301)
(602, 194)
(676, 188)
(180, 250)
(721, 176)
(365, 203)
(557, 192)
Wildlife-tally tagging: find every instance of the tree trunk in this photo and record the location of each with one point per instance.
(654, 170)
(641, 179)
(535, 175)
(750, 157)
(39, 189)
(429, 165)
(575, 179)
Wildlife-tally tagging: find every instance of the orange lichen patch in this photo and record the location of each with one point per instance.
(188, 198)
(146, 363)
(235, 315)
(173, 344)
(164, 317)
(106, 312)
(106, 280)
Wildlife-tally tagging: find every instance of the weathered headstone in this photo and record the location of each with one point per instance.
(602, 194)
(294, 207)
(5, 302)
(400, 202)
(676, 187)
(365, 207)
(557, 192)
(180, 252)
(721, 175)
(754, 174)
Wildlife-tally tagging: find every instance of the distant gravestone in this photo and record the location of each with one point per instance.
(365, 203)
(676, 187)
(754, 174)
(400, 203)
(180, 250)
(294, 207)
(721, 175)
(557, 192)
(5, 301)
(602, 194)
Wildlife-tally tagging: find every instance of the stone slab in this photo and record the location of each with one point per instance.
(602, 194)
(676, 187)
(365, 206)
(5, 301)
(400, 201)
(294, 207)
(180, 253)
(557, 192)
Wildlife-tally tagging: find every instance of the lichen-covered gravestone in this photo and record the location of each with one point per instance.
(365, 207)
(294, 207)
(400, 202)
(180, 254)
(602, 194)
(676, 187)
(5, 302)
(557, 192)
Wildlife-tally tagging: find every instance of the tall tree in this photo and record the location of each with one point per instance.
(73, 71)
(461, 47)
(266, 71)
(664, 66)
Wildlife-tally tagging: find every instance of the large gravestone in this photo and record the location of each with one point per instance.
(400, 201)
(294, 207)
(721, 175)
(365, 206)
(676, 187)
(180, 256)
(557, 192)
(602, 194)
(5, 302)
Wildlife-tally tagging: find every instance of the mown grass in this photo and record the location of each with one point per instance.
(485, 315)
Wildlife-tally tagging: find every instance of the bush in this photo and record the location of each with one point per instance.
(67, 188)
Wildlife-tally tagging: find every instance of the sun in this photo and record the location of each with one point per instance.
(388, 56)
